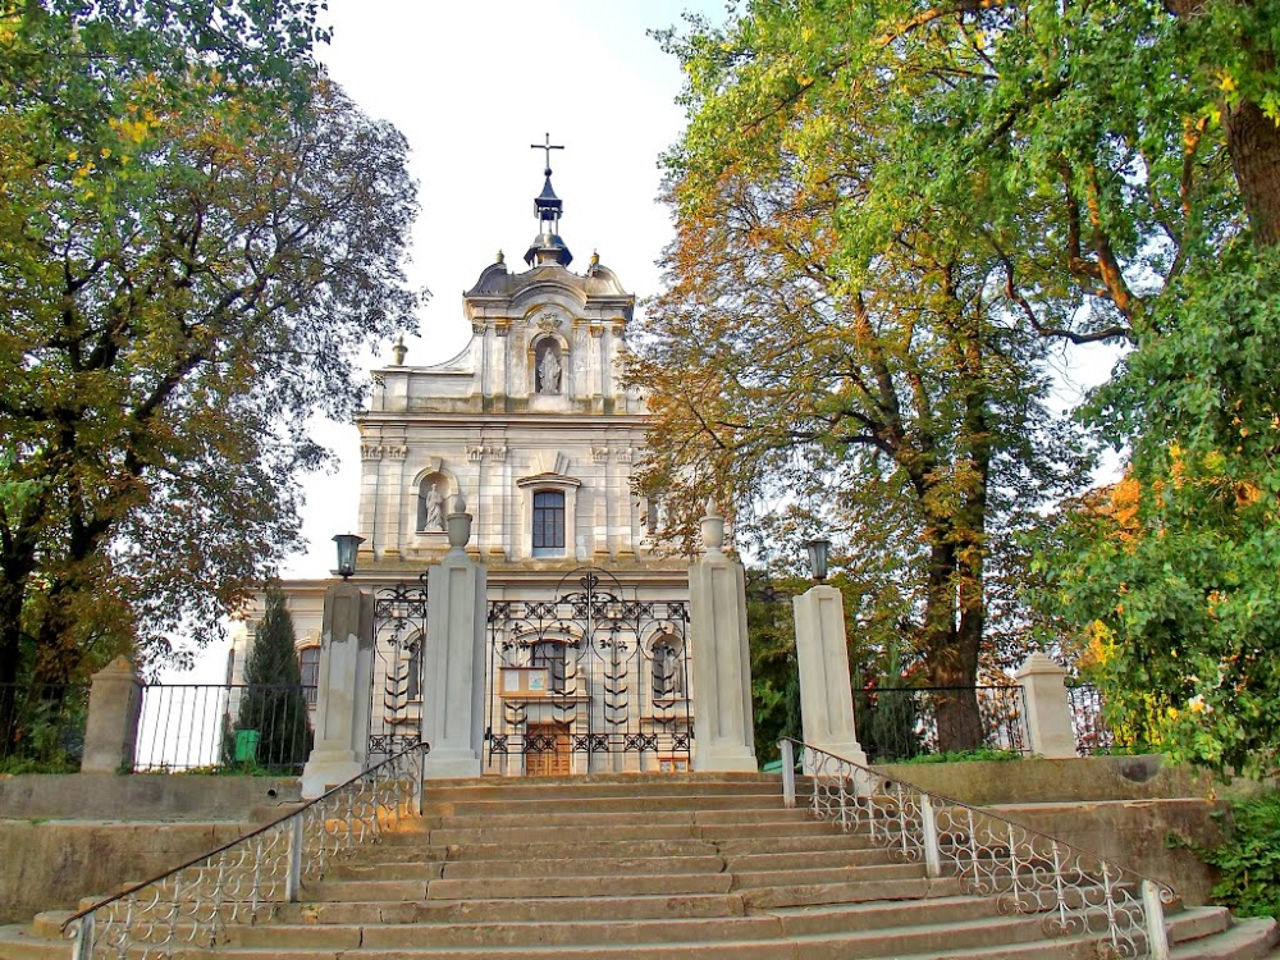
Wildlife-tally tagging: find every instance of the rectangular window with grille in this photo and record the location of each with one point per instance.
(548, 522)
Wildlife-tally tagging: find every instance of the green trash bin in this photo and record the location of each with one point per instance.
(246, 746)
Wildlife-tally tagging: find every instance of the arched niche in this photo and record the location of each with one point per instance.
(434, 490)
(548, 356)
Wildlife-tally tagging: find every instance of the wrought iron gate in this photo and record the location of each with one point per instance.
(395, 700)
(591, 678)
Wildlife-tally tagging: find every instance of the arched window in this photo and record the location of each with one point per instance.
(309, 665)
(548, 523)
(550, 654)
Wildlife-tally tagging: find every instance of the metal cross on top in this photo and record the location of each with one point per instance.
(548, 146)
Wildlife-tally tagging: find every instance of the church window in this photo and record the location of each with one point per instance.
(309, 665)
(548, 523)
(550, 655)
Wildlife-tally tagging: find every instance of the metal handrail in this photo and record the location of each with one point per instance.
(1030, 872)
(239, 881)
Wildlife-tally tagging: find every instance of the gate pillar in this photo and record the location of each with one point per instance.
(724, 734)
(826, 696)
(342, 697)
(453, 663)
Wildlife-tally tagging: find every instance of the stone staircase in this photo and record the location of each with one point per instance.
(612, 867)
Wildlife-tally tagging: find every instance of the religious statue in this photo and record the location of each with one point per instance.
(432, 514)
(549, 372)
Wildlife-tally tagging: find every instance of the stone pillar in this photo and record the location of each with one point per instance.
(342, 697)
(826, 696)
(111, 729)
(1048, 710)
(453, 698)
(724, 738)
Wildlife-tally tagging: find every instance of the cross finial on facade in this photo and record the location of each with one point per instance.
(547, 147)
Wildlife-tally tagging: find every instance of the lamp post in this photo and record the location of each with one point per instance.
(347, 543)
(819, 550)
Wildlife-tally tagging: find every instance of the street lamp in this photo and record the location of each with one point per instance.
(818, 553)
(347, 543)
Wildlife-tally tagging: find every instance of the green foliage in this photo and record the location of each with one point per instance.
(198, 233)
(886, 213)
(1174, 571)
(775, 680)
(966, 756)
(1249, 859)
(273, 705)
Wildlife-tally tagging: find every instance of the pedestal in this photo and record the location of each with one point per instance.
(111, 730)
(826, 695)
(342, 697)
(453, 702)
(724, 737)
(1048, 710)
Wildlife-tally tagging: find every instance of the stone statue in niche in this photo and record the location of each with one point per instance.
(549, 368)
(431, 519)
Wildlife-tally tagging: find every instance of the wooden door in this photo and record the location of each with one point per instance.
(551, 758)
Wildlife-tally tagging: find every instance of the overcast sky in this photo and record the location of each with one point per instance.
(471, 86)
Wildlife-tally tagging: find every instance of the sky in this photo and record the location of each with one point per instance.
(472, 86)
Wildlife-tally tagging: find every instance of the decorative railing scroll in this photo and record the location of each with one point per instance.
(245, 880)
(1078, 893)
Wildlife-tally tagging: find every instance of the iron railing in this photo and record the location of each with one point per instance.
(1093, 734)
(898, 723)
(1078, 893)
(245, 880)
(191, 726)
(42, 726)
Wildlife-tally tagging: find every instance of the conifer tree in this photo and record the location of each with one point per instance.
(274, 704)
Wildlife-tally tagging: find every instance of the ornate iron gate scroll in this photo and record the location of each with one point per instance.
(610, 672)
(395, 700)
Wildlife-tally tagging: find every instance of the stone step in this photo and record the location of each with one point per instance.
(1014, 937)
(876, 873)
(533, 832)
(644, 907)
(595, 847)
(618, 804)
(1245, 940)
(566, 815)
(517, 789)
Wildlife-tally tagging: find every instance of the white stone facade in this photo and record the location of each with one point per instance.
(531, 428)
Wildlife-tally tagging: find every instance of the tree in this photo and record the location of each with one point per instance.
(858, 363)
(274, 705)
(198, 232)
(1094, 168)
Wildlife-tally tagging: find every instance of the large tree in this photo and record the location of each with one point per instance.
(198, 232)
(822, 345)
(1111, 172)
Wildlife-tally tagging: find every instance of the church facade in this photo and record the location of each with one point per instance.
(531, 432)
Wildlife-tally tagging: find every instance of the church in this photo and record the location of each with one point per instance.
(531, 433)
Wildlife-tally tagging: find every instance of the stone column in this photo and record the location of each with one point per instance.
(342, 697)
(453, 698)
(826, 696)
(724, 738)
(111, 729)
(1048, 710)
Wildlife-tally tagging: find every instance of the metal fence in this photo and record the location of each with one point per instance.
(898, 723)
(42, 727)
(223, 727)
(1093, 735)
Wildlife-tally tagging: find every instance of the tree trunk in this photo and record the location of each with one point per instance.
(1253, 140)
(949, 661)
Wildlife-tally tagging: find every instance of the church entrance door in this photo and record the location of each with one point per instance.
(596, 678)
(550, 756)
